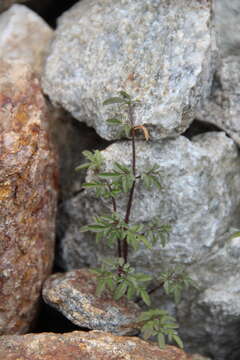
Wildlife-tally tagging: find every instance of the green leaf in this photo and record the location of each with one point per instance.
(145, 297)
(114, 121)
(92, 185)
(81, 167)
(120, 291)
(114, 100)
(235, 235)
(125, 95)
(96, 228)
(100, 287)
(109, 175)
(178, 341)
(161, 340)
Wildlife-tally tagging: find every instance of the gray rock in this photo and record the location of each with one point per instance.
(200, 199)
(158, 51)
(227, 20)
(24, 37)
(223, 106)
(214, 311)
(73, 294)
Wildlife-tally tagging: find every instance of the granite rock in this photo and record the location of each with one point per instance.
(227, 23)
(200, 199)
(24, 37)
(222, 108)
(84, 345)
(28, 192)
(159, 51)
(73, 294)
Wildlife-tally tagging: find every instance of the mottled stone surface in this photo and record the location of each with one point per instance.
(200, 199)
(4, 4)
(227, 20)
(73, 294)
(223, 106)
(84, 345)
(24, 37)
(28, 181)
(157, 50)
(210, 317)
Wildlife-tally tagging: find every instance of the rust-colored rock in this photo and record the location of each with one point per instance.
(94, 345)
(73, 294)
(28, 191)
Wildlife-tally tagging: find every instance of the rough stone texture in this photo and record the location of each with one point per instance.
(28, 192)
(84, 345)
(201, 201)
(24, 36)
(73, 294)
(223, 106)
(200, 198)
(158, 51)
(227, 16)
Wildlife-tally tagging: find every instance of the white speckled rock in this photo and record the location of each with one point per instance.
(223, 106)
(157, 50)
(227, 18)
(200, 197)
(24, 37)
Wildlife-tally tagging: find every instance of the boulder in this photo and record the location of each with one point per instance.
(28, 194)
(227, 15)
(24, 37)
(199, 199)
(222, 108)
(158, 51)
(73, 294)
(84, 345)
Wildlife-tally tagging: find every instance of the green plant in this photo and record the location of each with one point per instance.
(115, 229)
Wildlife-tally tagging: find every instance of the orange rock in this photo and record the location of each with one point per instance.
(78, 345)
(28, 192)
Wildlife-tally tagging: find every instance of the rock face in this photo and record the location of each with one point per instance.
(158, 51)
(7, 3)
(200, 200)
(73, 294)
(28, 193)
(81, 345)
(200, 180)
(24, 36)
(227, 14)
(222, 108)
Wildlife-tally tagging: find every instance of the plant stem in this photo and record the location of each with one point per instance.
(130, 200)
(114, 205)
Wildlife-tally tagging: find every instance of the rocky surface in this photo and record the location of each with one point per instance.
(201, 181)
(73, 294)
(102, 47)
(85, 345)
(227, 14)
(222, 108)
(24, 37)
(200, 200)
(28, 194)
(4, 4)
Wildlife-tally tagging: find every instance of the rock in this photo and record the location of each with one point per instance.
(223, 108)
(84, 345)
(200, 200)
(227, 15)
(210, 318)
(28, 191)
(24, 37)
(7, 3)
(158, 51)
(73, 294)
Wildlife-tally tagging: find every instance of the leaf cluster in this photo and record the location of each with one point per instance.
(158, 323)
(122, 280)
(175, 281)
